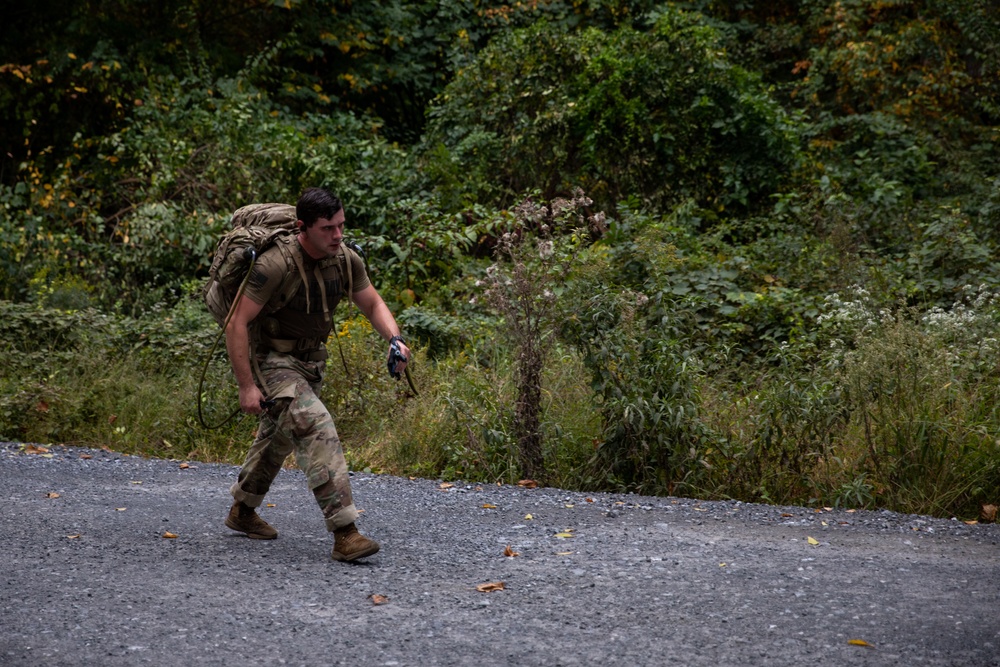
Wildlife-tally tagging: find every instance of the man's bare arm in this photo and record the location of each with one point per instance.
(374, 308)
(238, 347)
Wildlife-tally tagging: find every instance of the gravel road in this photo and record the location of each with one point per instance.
(600, 579)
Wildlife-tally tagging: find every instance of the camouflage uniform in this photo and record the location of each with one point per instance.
(299, 421)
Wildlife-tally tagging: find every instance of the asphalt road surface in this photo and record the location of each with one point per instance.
(89, 577)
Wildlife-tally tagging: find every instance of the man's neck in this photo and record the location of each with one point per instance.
(309, 249)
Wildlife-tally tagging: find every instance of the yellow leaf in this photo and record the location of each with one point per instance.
(564, 535)
(51, 494)
(858, 642)
(73, 537)
(135, 482)
(490, 587)
(378, 599)
(270, 504)
(170, 536)
(567, 506)
(489, 506)
(722, 564)
(119, 509)
(812, 541)
(510, 553)
(446, 485)
(528, 517)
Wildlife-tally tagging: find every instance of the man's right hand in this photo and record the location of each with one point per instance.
(251, 399)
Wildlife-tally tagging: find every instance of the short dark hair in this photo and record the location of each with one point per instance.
(316, 203)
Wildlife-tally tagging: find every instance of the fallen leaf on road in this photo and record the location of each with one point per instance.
(73, 537)
(378, 599)
(988, 514)
(51, 494)
(489, 506)
(786, 514)
(858, 642)
(812, 541)
(700, 509)
(490, 587)
(567, 506)
(565, 534)
(35, 449)
(446, 485)
(528, 483)
(851, 511)
(86, 456)
(184, 466)
(564, 553)
(119, 509)
(510, 553)
(270, 504)
(168, 535)
(135, 482)
(528, 517)
(589, 500)
(970, 523)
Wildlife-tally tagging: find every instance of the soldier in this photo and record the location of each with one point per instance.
(289, 350)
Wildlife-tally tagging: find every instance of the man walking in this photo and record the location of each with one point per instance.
(282, 333)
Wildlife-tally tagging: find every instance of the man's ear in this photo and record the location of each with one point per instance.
(299, 225)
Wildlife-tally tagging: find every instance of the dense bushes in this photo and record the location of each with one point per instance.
(661, 115)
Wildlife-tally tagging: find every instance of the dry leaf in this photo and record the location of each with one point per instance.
(851, 511)
(858, 642)
(488, 506)
(786, 514)
(73, 537)
(51, 494)
(568, 506)
(136, 482)
(722, 564)
(86, 456)
(589, 500)
(564, 553)
(828, 509)
(700, 509)
(446, 485)
(510, 553)
(112, 419)
(970, 523)
(528, 483)
(119, 509)
(378, 599)
(35, 449)
(988, 514)
(169, 535)
(528, 517)
(270, 504)
(490, 587)
(184, 466)
(812, 541)
(42, 406)
(566, 534)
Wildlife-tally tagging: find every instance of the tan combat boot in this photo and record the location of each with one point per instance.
(350, 545)
(244, 519)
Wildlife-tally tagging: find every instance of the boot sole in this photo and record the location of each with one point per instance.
(253, 536)
(337, 556)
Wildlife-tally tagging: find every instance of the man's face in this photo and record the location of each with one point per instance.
(325, 236)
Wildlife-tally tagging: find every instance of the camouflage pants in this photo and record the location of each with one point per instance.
(299, 423)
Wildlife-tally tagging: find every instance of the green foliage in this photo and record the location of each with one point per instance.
(660, 114)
